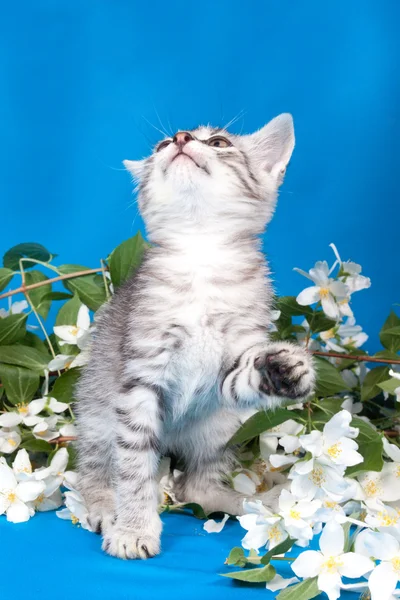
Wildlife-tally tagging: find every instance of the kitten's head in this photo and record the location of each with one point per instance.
(210, 178)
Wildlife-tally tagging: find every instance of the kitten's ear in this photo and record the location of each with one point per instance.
(272, 146)
(135, 168)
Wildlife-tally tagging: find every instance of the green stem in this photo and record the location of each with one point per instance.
(103, 265)
(38, 262)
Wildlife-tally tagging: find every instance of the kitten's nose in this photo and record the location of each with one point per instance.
(182, 137)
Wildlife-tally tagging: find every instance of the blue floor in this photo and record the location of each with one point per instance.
(48, 558)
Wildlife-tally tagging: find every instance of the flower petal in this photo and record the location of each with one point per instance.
(243, 484)
(256, 537)
(18, 512)
(212, 526)
(382, 546)
(10, 419)
(59, 362)
(382, 581)
(330, 583)
(22, 464)
(331, 541)
(308, 564)
(29, 490)
(67, 333)
(36, 406)
(280, 583)
(308, 296)
(355, 565)
(83, 319)
(329, 306)
(56, 406)
(7, 478)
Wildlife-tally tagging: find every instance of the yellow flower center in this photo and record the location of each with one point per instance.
(295, 514)
(11, 497)
(386, 520)
(12, 442)
(335, 451)
(398, 471)
(74, 520)
(39, 500)
(329, 334)
(331, 565)
(263, 487)
(74, 330)
(22, 409)
(330, 504)
(396, 564)
(324, 292)
(371, 488)
(344, 301)
(275, 534)
(317, 476)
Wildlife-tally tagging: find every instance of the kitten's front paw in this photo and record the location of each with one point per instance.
(286, 370)
(100, 518)
(129, 544)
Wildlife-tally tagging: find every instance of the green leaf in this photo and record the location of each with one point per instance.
(262, 575)
(370, 446)
(387, 355)
(260, 422)
(390, 385)
(289, 306)
(5, 277)
(38, 295)
(34, 341)
(24, 356)
(319, 322)
(305, 590)
(64, 386)
(329, 380)
(236, 557)
(126, 259)
(57, 296)
(196, 509)
(281, 548)
(35, 445)
(20, 384)
(27, 250)
(90, 288)
(12, 328)
(390, 333)
(370, 387)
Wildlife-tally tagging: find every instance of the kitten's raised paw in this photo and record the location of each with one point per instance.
(128, 544)
(286, 370)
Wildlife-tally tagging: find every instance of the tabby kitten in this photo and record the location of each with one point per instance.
(182, 348)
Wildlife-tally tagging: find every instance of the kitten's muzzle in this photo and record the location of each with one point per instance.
(181, 138)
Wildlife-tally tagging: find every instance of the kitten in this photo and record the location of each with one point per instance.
(183, 346)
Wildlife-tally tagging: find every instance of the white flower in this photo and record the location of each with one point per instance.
(326, 290)
(53, 475)
(10, 439)
(25, 413)
(15, 308)
(331, 563)
(383, 486)
(285, 434)
(350, 273)
(14, 495)
(317, 478)
(68, 430)
(263, 527)
(334, 443)
(297, 514)
(45, 430)
(69, 361)
(352, 407)
(75, 334)
(75, 510)
(396, 375)
(352, 334)
(384, 547)
(382, 516)
(212, 526)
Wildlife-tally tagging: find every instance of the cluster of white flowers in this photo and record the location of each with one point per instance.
(319, 497)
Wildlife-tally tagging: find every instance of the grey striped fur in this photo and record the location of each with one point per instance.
(182, 348)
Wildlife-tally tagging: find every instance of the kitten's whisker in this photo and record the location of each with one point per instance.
(161, 123)
(240, 114)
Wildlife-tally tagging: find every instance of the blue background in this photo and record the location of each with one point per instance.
(81, 79)
(67, 563)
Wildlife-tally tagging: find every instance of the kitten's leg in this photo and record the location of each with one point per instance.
(137, 529)
(95, 462)
(265, 374)
(209, 464)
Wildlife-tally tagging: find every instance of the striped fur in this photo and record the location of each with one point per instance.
(182, 349)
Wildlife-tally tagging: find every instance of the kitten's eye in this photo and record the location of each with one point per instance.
(163, 144)
(219, 142)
